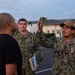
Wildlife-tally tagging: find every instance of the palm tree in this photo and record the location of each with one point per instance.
(30, 23)
(43, 19)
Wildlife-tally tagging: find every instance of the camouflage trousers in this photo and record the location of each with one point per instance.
(63, 72)
(27, 72)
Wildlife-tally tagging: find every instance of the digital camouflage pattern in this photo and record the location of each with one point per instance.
(28, 46)
(64, 54)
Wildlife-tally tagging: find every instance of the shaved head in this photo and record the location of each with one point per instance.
(7, 23)
(4, 18)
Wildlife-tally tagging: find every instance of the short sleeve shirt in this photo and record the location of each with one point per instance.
(9, 53)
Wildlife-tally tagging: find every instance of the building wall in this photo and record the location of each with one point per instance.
(46, 29)
(52, 29)
(28, 28)
(32, 28)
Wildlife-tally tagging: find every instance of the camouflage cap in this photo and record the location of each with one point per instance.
(68, 23)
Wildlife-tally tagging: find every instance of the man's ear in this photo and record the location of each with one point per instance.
(9, 24)
(73, 31)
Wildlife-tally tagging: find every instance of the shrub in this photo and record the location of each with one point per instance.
(48, 35)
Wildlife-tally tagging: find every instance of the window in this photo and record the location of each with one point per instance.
(53, 31)
(48, 31)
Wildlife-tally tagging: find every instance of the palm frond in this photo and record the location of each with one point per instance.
(30, 23)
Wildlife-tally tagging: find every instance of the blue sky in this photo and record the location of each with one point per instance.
(34, 9)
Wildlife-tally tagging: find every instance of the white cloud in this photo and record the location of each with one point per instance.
(67, 14)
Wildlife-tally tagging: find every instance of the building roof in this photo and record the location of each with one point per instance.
(53, 21)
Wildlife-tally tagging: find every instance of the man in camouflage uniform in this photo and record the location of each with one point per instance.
(64, 48)
(28, 46)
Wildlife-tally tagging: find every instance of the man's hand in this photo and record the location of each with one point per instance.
(38, 66)
(40, 25)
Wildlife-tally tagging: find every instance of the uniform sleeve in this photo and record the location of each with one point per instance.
(38, 56)
(12, 53)
(46, 42)
(37, 51)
